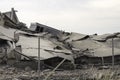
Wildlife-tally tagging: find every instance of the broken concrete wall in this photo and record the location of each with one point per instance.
(43, 28)
(5, 48)
(15, 55)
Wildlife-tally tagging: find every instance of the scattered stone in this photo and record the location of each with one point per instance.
(28, 68)
(25, 77)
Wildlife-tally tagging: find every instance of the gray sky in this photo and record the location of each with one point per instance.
(82, 16)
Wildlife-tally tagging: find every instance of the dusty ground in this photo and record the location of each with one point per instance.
(12, 73)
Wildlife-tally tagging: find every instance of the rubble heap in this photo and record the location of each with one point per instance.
(19, 44)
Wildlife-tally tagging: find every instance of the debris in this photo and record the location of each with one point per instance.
(19, 48)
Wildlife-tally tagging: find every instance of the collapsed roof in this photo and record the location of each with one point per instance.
(29, 44)
(49, 49)
(98, 45)
(53, 42)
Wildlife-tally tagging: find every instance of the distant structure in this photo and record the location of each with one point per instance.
(37, 27)
(10, 19)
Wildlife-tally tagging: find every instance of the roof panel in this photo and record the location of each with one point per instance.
(30, 48)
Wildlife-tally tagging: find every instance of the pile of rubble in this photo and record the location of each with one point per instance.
(19, 48)
(12, 73)
(19, 43)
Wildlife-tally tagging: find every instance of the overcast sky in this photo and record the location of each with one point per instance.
(82, 16)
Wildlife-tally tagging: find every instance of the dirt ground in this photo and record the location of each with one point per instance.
(13, 73)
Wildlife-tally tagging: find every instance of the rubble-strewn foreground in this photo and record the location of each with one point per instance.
(82, 57)
(12, 73)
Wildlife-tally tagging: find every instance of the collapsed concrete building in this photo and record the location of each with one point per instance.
(23, 44)
(94, 49)
(19, 45)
